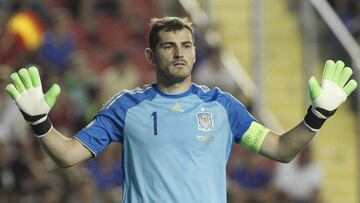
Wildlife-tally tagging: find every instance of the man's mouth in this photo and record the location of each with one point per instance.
(179, 63)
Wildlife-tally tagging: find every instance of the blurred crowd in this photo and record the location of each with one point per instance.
(94, 49)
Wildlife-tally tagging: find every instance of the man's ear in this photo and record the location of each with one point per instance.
(194, 55)
(150, 56)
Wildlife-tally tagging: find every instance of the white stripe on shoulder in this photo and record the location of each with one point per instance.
(204, 88)
(121, 93)
(139, 89)
(227, 93)
(232, 96)
(222, 92)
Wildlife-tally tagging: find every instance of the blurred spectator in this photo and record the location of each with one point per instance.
(107, 173)
(78, 81)
(52, 189)
(345, 9)
(138, 14)
(13, 174)
(170, 8)
(250, 180)
(300, 180)
(37, 6)
(95, 104)
(47, 194)
(332, 48)
(84, 191)
(212, 72)
(354, 23)
(110, 7)
(120, 75)
(58, 43)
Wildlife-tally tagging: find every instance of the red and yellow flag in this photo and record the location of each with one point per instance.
(28, 27)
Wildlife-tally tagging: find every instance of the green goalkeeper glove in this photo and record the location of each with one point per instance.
(27, 93)
(325, 99)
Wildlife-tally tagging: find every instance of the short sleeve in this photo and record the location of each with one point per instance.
(103, 130)
(239, 117)
(108, 125)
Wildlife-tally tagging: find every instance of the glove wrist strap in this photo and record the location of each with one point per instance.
(40, 129)
(313, 121)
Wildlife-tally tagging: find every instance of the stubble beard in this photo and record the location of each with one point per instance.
(172, 77)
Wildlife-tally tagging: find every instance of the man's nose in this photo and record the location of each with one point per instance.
(178, 52)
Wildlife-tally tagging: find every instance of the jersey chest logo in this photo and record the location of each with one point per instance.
(177, 108)
(205, 121)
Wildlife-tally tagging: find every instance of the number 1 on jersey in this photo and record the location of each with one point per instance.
(154, 115)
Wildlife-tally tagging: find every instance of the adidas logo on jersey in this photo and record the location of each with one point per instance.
(177, 108)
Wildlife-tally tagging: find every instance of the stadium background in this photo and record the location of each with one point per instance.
(261, 51)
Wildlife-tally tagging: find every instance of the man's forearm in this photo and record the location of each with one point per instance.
(285, 147)
(293, 141)
(64, 151)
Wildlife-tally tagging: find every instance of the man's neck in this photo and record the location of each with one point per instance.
(175, 88)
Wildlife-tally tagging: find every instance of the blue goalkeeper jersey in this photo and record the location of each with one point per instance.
(175, 147)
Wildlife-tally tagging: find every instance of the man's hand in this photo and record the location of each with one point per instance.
(334, 89)
(27, 93)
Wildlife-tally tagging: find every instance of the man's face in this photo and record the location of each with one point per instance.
(174, 55)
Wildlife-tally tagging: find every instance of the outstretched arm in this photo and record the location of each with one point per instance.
(64, 151)
(27, 93)
(325, 99)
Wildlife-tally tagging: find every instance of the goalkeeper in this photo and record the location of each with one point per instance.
(176, 135)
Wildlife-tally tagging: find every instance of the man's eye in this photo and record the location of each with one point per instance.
(187, 46)
(167, 47)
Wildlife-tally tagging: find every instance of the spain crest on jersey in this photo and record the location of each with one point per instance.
(205, 121)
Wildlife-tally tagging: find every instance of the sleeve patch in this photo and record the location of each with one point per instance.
(254, 137)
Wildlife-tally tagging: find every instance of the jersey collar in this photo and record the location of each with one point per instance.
(174, 96)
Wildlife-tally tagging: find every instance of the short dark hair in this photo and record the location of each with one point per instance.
(167, 24)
